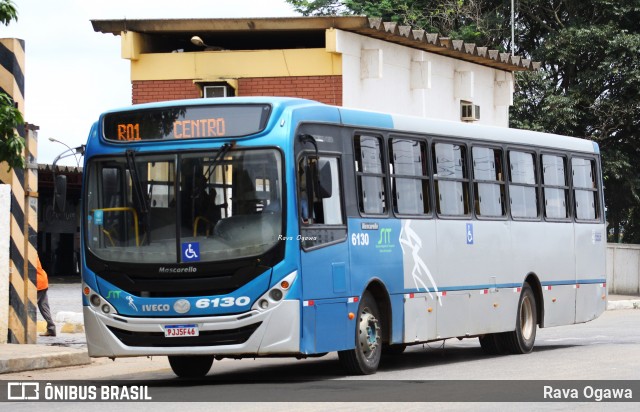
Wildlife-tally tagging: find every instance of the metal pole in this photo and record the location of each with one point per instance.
(513, 32)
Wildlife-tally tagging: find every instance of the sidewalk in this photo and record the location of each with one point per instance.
(70, 349)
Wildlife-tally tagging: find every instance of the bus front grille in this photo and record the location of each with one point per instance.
(205, 338)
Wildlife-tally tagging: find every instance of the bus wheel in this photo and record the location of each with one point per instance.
(195, 366)
(491, 344)
(364, 359)
(521, 340)
(393, 350)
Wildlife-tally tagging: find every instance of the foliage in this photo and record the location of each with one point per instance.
(11, 144)
(8, 12)
(589, 85)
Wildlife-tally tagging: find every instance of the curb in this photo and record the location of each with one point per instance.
(623, 304)
(18, 358)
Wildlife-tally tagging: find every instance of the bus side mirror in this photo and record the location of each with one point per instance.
(60, 193)
(325, 181)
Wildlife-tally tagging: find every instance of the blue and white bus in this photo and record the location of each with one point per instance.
(250, 227)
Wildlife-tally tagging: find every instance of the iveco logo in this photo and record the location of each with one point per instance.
(182, 306)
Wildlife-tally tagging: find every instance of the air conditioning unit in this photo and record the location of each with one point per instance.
(215, 91)
(469, 112)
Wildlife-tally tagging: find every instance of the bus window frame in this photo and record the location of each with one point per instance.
(504, 182)
(567, 187)
(428, 177)
(466, 143)
(598, 189)
(355, 133)
(321, 226)
(536, 155)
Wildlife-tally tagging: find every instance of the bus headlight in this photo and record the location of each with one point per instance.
(97, 301)
(276, 294)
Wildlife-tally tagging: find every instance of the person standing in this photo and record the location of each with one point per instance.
(43, 299)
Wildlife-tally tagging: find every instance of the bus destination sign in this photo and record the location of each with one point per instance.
(186, 122)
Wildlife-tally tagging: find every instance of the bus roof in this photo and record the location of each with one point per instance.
(401, 123)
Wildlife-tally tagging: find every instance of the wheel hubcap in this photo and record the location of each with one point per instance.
(369, 333)
(526, 318)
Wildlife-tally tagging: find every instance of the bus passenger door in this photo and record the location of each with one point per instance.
(323, 255)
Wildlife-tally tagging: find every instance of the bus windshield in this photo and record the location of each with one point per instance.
(197, 207)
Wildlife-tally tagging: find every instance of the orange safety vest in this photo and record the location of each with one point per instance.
(42, 281)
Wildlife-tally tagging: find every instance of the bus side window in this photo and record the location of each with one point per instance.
(370, 175)
(585, 189)
(555, 187)
(451, 179)
(488, 182)
(320, 213)
(523, 193)
(409, 176)
(313, 209)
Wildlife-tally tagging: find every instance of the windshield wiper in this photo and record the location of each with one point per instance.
(217, 160)
(140, 201)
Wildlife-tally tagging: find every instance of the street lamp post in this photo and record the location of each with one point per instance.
(74, 151)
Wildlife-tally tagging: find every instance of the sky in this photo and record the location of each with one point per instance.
(72, 74)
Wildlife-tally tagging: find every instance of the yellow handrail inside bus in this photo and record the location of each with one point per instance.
(125, 209)
(106, 232)
(195, 225)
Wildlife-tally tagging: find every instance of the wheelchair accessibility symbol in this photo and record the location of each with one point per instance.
(191, 252)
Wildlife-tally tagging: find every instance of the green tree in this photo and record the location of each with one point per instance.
(11, 144)
(589, 85)
(475, 21)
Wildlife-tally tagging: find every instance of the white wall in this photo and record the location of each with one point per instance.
(5, 205)
(388, 87)
(623, 269)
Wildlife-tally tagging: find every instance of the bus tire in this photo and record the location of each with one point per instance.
(393, 350)
(491, 344)
(193, 366)
(521, 340)
(365, 357)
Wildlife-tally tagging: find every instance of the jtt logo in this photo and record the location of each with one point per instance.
(385, 236)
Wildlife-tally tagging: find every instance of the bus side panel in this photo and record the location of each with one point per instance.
(376, 254)
(492, 303)
(546, 249)
(591, 271)
(420, 315)
(420, 261)
(325, 293)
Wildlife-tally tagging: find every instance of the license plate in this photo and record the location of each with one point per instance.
(177, 331)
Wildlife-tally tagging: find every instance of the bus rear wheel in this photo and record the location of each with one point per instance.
(193, 366)
(492, 344)
(365, 357)
(522, 339)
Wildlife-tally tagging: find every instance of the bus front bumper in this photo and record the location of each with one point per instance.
(274, 331)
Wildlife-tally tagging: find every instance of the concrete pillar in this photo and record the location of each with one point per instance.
(22, 229)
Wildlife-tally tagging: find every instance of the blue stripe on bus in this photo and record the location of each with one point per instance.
(596, 148)
(572, 282)
(507, 285)
(486, 286)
